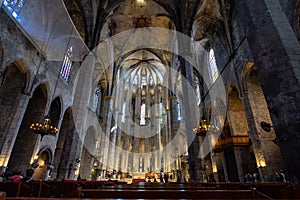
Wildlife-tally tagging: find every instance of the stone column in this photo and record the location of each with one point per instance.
(263, 147)
(224, 166)
(106, 125)
(238, 152)
(174, 125)
(267, 27)
(13, 129)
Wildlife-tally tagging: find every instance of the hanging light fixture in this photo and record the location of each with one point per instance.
(204, 127)
(44, 128)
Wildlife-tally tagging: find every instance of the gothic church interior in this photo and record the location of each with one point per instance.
(123, 88)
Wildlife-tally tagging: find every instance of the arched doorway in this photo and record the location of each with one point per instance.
(89, 166)
(22, 153)
(43, 161)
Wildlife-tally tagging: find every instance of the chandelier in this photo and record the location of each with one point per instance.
(44, 128)
(204, 127)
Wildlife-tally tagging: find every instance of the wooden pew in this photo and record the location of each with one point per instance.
(166, 194)
(2, 195)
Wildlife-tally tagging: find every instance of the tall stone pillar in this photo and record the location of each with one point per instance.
(267, 27)
(10, 138)
(190, 120)
(224, 166)
(106, 125)
(264, 149)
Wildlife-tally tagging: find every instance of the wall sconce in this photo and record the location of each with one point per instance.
(266, 126)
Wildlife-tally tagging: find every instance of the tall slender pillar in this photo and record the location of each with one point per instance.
(108, 102)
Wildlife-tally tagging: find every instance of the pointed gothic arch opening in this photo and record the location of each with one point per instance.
(43, 161)
(54, 112)
(25, 143)
(239, 129)
(13, 83)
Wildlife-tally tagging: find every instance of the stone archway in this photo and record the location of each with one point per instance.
(23, 150)
(240, 152)
(54, 112)
(89, 166)
(11, 102)
(43, 161)
(236, 113)
(267, 154)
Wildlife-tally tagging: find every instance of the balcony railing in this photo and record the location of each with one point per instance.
(231, 141)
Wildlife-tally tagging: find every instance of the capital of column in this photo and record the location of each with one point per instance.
(108, 97)
(172, 97)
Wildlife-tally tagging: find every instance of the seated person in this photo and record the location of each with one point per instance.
(16, 177)
(28, 178)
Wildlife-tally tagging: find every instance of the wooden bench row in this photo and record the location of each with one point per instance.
(39, 189)
(96, 189)
(167, 194)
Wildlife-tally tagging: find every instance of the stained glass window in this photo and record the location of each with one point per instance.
(197, 90)
(160, 113)
(123, 113)
(179, 117)
(143, 114)
(96, 99)
(14, 7)
(135, 80)
(67, 64)
(144, 82)
(212, 66)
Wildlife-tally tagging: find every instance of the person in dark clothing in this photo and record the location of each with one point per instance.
(166, 178)
(28, 177)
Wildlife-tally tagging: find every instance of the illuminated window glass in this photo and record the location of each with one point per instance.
(212, 66)
(151, 82)
(160, 113)
(96, 99)
(179, 117)
(144, 81)
(67, 64)
(197, 91)
(143, 114)
(135, 80)
(14, 7)
(123, 113)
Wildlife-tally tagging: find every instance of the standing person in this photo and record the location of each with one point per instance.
(256, 177)
(248, 177)
(162, 176)
(28, 177)
(281, 176)
(166, 178)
